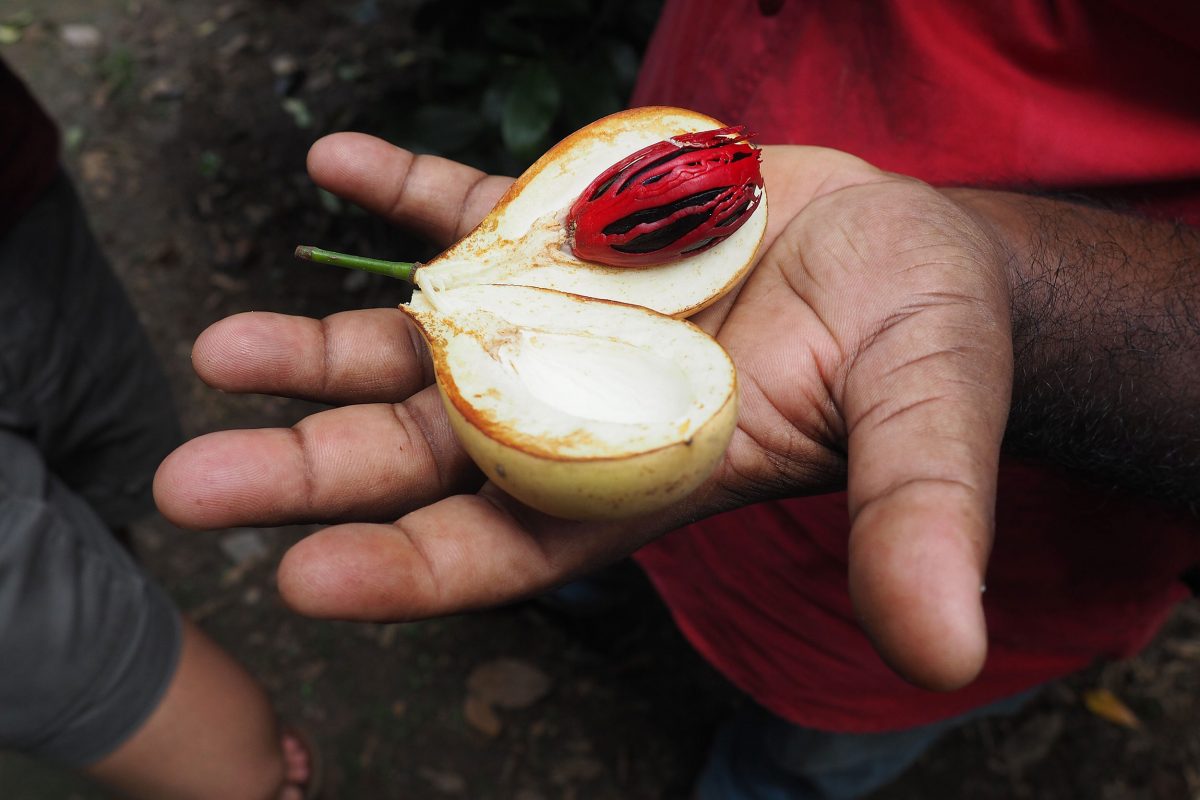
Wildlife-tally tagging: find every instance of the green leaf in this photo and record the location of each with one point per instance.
(493, 100)
(588, 108)
(330, 201)
(209, 164)
(73, 137)
(529, 111)
(557, 9)
(20, 19)
(624, 61)
(443, 129)
(463, 68)
(117, 68)
(515, 38)
(297, 109)
(640, 16)
(595, 90)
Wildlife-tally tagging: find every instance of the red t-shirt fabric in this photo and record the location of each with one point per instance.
(28, 149)
(1023, 94)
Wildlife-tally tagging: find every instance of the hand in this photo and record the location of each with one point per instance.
(873, 347)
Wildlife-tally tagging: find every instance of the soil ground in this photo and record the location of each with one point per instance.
(185, 125)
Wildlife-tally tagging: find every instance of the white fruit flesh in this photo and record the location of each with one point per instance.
(580, 408)
(605, 380)
(524, 240)
(568, 382)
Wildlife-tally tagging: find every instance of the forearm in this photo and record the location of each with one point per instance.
(1106, 318)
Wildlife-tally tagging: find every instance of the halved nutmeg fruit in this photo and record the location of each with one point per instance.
(572, 383)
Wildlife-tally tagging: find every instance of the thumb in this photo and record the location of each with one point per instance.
(923, 458)
(925, 395)
(917, 558)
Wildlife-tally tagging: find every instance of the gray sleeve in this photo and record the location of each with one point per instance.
(88, 643)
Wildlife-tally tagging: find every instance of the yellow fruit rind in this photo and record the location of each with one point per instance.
(599, 488)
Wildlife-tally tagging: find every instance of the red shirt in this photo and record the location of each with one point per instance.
(28, 149)
(1016, 94)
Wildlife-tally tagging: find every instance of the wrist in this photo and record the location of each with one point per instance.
(1005, 223)
(1106, 342)
(1014, 226)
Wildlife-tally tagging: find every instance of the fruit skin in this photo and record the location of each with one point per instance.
(600, 488)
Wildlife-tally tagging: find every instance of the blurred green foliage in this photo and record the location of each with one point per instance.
(500, 82)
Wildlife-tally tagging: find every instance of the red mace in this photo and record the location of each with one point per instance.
(672, 199)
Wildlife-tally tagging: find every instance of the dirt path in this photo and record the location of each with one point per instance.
(185, 124)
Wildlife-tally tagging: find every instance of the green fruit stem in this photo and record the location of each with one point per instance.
(393, 269)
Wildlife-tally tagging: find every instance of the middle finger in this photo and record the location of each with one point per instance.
(366, 356)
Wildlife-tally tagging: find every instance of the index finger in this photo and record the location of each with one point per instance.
(437, 197)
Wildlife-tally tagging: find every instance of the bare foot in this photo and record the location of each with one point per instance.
(297, 767)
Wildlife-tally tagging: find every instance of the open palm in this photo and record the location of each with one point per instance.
(873, 350)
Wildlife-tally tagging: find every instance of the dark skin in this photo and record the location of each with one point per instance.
(874, 345)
